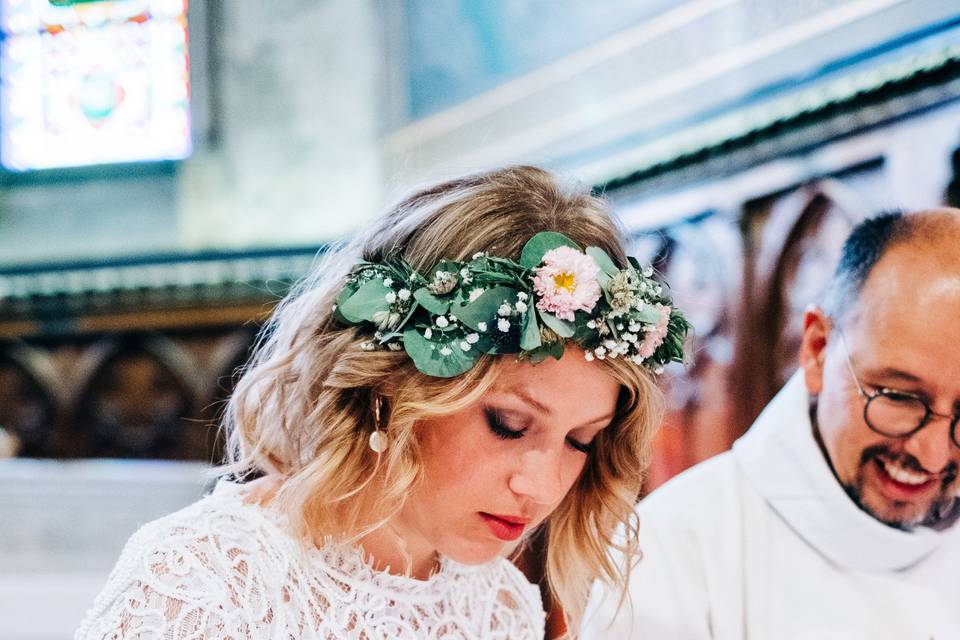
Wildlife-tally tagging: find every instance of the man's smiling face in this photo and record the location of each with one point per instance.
(901, 333)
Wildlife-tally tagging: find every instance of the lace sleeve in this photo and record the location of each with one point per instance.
(177, 581)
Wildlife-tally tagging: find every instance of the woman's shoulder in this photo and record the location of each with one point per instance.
(206, 557)
(222, 523)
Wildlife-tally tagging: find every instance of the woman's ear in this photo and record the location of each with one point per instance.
(813, 347)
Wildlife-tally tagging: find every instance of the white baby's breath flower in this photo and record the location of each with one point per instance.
(391, 297)
(388, 282)
(633, 327)
(482, 326)
(647, 271)
(637, 359)
(600, 352)
(473, 338)
(521, 296)
(504, 310)
(404, 294)
(452, 317)
(521, 307)
(465, 272)
(394, 346)
(465, 345)
(620, 327)
(503, 324)
(609, 344)
(588, 356)
(428, 333)
(478, 254)
(445, 350)
(367, 346)
(591, 324)
(442, 322)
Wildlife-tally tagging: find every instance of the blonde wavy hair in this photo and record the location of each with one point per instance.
(307, 402)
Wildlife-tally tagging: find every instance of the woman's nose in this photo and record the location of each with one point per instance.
(539, 476)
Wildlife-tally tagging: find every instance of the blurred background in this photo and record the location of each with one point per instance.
(168, 168)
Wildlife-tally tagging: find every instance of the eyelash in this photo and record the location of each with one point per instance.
(502, 431)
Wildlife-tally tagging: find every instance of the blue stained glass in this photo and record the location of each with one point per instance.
(93, 83)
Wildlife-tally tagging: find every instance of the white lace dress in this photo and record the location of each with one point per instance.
(225, 569)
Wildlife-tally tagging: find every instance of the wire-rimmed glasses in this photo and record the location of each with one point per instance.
(893, 413)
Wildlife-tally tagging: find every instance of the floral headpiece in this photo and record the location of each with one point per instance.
(445, 321)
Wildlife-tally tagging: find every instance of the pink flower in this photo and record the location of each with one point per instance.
(654, 336)
(566, 282)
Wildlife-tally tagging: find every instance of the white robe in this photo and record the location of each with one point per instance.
(762, 543)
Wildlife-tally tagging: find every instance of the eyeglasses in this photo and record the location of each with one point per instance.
(896, 414)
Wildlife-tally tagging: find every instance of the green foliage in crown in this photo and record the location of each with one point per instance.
(445, 320)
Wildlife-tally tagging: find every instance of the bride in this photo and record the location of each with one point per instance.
(475, 367)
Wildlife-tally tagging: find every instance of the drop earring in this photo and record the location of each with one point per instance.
(378, 439)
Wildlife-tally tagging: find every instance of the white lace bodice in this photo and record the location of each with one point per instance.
(225, 569)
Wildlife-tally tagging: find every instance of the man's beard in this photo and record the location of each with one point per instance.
(944, 510)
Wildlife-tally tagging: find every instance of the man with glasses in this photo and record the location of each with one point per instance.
(835, 516)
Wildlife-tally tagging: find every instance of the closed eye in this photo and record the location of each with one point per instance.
(901, 396)
(582, 447)
(502, 429)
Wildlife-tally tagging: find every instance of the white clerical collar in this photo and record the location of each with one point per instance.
(784, 464)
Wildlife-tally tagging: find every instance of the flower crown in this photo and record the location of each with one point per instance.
(447, 320)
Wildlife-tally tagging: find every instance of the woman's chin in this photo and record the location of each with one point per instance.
(477, 554)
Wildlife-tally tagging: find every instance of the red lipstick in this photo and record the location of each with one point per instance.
(506, 528)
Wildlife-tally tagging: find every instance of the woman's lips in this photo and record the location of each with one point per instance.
(506, 528)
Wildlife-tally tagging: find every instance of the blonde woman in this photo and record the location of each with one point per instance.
(476, 366)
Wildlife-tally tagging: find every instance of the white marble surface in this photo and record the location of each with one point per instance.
(63, 526)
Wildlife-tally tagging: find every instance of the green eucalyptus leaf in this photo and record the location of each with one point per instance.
(430, 302)
(647, 313)
(368, 299)
(603, 261)
(484, 308)
(530, 330)
(428, 356)
(532, 254)
(547, 350)
(582, 333)
(563, 328)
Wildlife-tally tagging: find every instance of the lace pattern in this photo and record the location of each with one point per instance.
(228, 570)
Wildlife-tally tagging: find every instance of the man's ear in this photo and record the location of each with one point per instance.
(813, 347)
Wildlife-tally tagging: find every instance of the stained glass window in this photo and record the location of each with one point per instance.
(93, 82)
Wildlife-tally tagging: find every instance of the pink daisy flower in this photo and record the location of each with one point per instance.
(566, 282)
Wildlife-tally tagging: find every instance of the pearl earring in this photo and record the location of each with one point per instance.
(378, 439)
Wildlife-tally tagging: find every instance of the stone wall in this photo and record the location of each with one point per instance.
(287, 119)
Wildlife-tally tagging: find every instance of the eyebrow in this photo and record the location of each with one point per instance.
(524, 395)
(898, 374)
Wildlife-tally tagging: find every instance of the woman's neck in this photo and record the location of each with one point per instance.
(391, 549)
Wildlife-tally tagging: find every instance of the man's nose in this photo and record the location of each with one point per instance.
(539, 476)
(931, 446)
